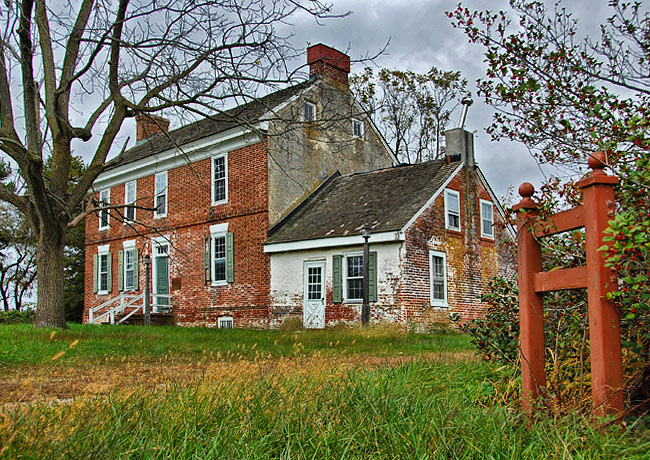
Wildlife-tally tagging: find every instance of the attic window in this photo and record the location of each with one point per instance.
(487, 219)
(357, 128)
(452, 210)
(310, 111)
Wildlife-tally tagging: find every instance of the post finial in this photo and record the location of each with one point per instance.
(526, 190)
(597, 162)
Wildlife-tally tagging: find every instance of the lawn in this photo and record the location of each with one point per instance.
(162, 392)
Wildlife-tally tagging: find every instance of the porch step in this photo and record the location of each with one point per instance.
(157, 319)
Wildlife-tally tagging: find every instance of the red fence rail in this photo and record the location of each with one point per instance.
(604, 319)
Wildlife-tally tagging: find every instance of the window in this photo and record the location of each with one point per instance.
(129, 269)
(357, 128)
(225, 322)
(129, 201)
(104, 200)
(219, 179)
(219, 259)
(218, 256)
(487, 219)
(161, 195)
(452, 210)
(102, 270)
(438, 278)
(310, 112)
(354, 278)
(347, 277)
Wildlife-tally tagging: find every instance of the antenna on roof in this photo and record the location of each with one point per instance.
(466, 101)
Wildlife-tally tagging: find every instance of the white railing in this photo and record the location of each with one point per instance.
(161, 304)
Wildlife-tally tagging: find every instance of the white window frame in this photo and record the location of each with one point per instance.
(449, 211)
(156, 194)
(305, 118)
(438, 302)
(212, 182)
(128, 246)
(362, 128)
(491, 220)
(225, 322)
(218, 231)
(129, 204)
(104, 201)
(103, 250)
(344, 269)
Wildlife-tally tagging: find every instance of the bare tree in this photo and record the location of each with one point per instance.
(71, 73)
(412, 109)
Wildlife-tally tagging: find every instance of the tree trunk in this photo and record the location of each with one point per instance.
(50, 309)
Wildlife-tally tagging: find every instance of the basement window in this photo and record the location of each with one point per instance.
(438, 278)
(452, 210)
(487, 219)
(225, 322)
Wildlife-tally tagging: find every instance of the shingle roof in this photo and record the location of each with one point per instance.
(386, 199)
(236, 116)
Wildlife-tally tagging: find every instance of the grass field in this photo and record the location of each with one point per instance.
(105, 392)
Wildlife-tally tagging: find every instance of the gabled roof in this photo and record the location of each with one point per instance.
(237, 116)
(386, 199)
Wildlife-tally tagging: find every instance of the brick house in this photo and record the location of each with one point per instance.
(237, 211)
(199, 200)
(435, 242)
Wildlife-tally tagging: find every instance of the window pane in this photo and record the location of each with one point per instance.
(438, 277)
(219, 179)
(355, 266)
(160, 204)
(355, 288)
(314, 285)
(129, 273)
(103, 272)
(310, 111)
(219, 258)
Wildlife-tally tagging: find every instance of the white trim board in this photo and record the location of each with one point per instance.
(320, 243)
(207, 147)
(431, 200)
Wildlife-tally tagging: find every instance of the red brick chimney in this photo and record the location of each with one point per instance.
(328, 62)
(149, 125)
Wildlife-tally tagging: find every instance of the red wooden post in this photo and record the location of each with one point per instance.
(604, 318)
(531, 308)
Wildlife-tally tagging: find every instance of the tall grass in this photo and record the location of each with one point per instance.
(415, 410)
(23, 344)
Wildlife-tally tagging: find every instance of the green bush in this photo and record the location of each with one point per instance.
(17, 317)
(496, 332)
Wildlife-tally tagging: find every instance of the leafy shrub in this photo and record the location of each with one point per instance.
(17, 317)
(496, 333)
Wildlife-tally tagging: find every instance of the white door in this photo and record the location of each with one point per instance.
(160, 277)
(313, 307)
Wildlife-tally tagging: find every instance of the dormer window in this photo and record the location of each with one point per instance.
(357, 128)
(310, 111)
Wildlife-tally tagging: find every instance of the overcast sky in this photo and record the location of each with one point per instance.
(421, 36)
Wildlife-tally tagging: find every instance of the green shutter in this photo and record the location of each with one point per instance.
(136, 277)
(337, 261)
(230, 259)
(95, 268)
(120, 270)
(372, 277)
(109, 263)
(162, 279)
(207, 242)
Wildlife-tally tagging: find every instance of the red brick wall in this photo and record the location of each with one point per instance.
(471, 259)
(188, 220)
